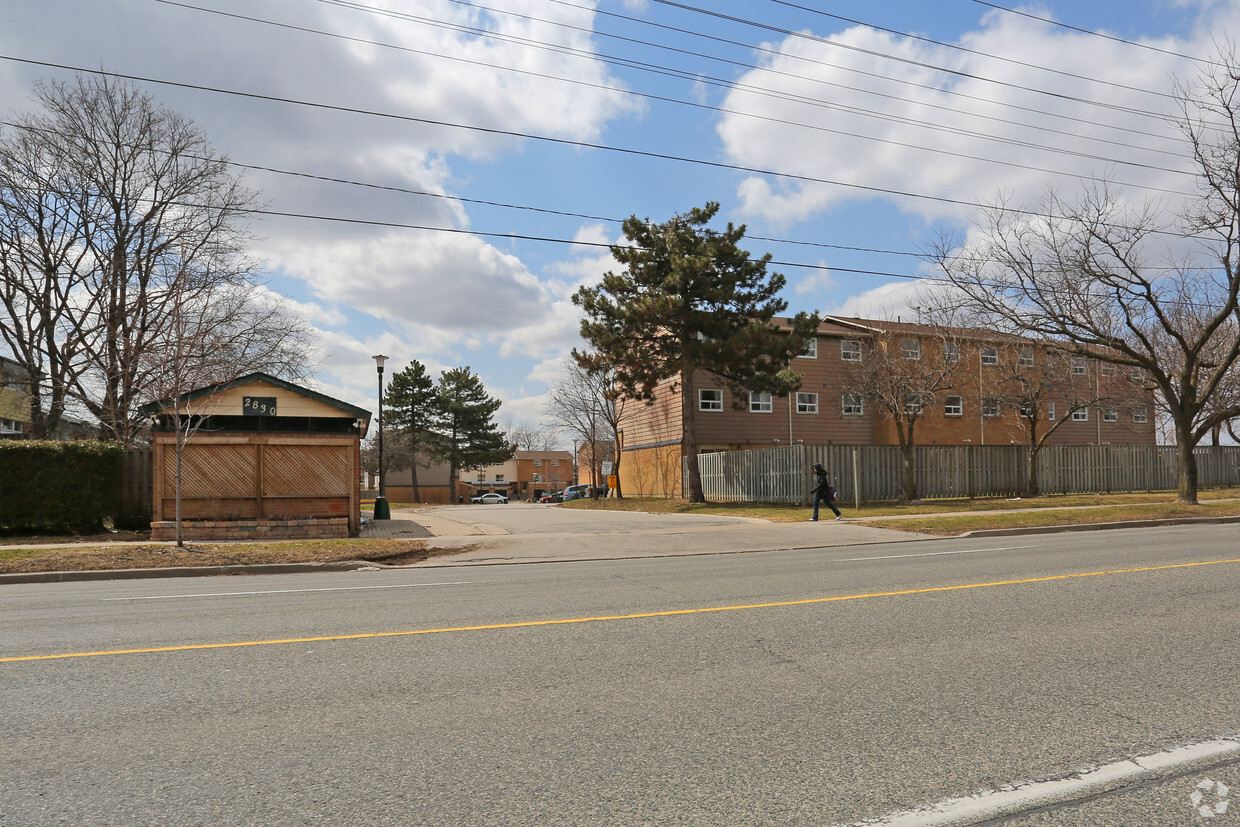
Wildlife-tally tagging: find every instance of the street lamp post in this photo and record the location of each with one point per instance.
(382, 510)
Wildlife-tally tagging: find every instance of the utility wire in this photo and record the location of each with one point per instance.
(692, 77)
(740, 113)
(543, 138)
(1100, 34)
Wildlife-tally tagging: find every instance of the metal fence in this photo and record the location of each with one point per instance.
(876, 472)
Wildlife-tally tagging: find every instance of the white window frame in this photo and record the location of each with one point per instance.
(807, 403)
(1080, 415)
(992, 406)
(10, 426)
(911, 348)
(951, 352)
(1079, 366)
(761, 402)
(538, 463)
(852, 404)
(1025, 359)
(1107, 369)
(811, 349)
(956, 409)
(499, 477)
(538, 478)
(990, 355)
(1139, 415)
(914, 405)
(850, 350)
(1110, 414)
(554, 462)
(715, 403)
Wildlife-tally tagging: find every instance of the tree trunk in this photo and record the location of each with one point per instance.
(694, 482)
(1188, 464)
(910, 474)
(1032, 487)
(413, 472)
(180, 448)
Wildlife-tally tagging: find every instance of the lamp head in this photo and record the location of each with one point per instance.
(379, 360)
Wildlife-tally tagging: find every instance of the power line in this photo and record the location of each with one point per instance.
(698, 78)
(783, 121)
(542, 138)
(1099, 34)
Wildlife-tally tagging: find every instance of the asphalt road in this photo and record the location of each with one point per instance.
(807, 687)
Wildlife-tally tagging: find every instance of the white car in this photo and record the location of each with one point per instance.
(488, 498)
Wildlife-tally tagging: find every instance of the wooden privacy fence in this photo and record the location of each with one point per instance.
(137, 489)
(876, 472)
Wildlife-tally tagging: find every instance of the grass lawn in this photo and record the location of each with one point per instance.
(930, 516)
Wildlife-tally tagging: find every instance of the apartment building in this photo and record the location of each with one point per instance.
(977, 406)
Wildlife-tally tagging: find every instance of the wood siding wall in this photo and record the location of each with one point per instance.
(247, 477)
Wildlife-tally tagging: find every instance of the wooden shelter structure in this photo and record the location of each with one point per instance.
(261, 458)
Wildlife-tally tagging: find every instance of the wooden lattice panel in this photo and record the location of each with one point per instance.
(210, 471)
(307, 471)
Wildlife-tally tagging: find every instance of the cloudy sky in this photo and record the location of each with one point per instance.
(482, 154)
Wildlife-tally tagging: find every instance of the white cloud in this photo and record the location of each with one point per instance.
(885, 150)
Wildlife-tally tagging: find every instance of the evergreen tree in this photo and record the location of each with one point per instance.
(412, 406)
(690, 300)
(467, 435)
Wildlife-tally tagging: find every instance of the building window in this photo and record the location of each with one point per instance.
(710, 399)
(807, 403)
(1050, 411)
(1078, 368)
(1138, 416)
(1027, 410)
(990, 356)
(1108, 369)
(760, 402)
(499, 477)
(482, 476)
(913, 405)
(992, 406)
(1080, 415)
(1110, 415)
(555, 462)
(911, 348)
(953, 406)
(1025, 360)
(850, 350)
(538, 478)
(951, 351)
(852, 404)
(811, 350)
(1135, 375)
(9, 426)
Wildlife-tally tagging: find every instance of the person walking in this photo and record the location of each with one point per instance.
(823, 492)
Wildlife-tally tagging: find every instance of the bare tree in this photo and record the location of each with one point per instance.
(114, 210)
(1150, 288)
(531, 436)
(587, 403)
(213, 336)
(899, 372)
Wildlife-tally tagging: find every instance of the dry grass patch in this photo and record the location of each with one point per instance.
(951, 526)
(88, 556)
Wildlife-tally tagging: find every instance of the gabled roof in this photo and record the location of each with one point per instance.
(253, 378)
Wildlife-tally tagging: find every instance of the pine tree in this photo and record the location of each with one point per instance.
(467, 433)
(690, 299)
(412, 406)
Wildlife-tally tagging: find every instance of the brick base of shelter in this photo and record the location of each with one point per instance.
(325, 528)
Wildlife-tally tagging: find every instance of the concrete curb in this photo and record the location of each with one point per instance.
(1056, 529)
(181, 571)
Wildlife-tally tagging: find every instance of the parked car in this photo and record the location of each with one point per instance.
(553, 497)
(576, 492)
(489, 498)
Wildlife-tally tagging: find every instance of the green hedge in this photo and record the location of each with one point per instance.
(59, 486)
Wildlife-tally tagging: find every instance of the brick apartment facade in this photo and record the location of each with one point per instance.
(824, 412)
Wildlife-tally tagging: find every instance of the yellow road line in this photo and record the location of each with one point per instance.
(565, 621)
